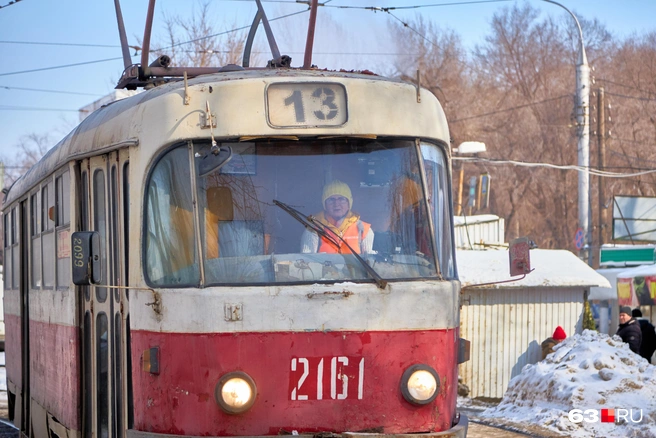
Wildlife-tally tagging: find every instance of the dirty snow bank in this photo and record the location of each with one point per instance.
(586, 371)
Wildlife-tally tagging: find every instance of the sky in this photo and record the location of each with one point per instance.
(588, 371)
(38, 36)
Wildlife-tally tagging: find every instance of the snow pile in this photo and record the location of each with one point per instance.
(586, 371)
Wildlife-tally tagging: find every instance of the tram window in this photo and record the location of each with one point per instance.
(171, 255)
(84, 200)
(35, 211)
(100, 225)
(248, 238)
(15, 278)
(440, 204)
(14, 229)
(7, 254)
(35, 259)
(48, 235)
(114, 241)
(62, 223)
(126, 223)
(102, 377)
(47, 208)
(62, 186)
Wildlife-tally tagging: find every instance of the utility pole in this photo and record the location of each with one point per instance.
(601, 143)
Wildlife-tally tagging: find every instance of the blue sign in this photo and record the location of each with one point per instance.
(579, 238)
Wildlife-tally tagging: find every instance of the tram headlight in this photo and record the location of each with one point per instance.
(420, 384)
(235, 392)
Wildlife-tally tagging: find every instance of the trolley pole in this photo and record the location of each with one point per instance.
(583, 127)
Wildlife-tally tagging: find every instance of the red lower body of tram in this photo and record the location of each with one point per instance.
(306, 382)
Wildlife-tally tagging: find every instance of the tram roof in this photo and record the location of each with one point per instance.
(110, 128)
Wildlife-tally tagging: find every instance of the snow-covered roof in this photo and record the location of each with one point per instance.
(606, 293)
(478, 219)
(553, 268)
(640, 271)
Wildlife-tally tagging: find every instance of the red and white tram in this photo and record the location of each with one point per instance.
(169, 269)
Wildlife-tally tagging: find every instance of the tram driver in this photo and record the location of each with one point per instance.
(340, 220)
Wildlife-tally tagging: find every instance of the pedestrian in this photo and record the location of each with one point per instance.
(648, 344)
(548, 344)
(629, 329)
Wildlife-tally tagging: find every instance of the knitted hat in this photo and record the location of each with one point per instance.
(339, 188)
(625, 309)
(559, 334)
(636, 313)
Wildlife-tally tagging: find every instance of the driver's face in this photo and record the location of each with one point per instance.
(336, 207)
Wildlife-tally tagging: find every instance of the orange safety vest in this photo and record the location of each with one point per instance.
(353, 235)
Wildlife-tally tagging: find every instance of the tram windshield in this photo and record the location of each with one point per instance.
(288, 212)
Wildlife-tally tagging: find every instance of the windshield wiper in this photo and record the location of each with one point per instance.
(319, 228)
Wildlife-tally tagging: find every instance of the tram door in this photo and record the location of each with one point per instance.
(103, 191)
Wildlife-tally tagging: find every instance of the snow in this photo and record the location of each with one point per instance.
(586, 371)
(476, 219)
(553, 268)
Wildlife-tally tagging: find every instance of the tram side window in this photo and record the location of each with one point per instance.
(15, 250)
(62, 227)
(35, 231)
(439, 202)
(48, 234)
(171, 252)
(7, 257)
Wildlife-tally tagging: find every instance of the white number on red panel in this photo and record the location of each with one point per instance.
(326, 378)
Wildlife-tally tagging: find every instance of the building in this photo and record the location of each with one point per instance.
(482, 231)
(507, 322)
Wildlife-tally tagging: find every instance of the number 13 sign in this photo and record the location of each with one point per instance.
(306, 105)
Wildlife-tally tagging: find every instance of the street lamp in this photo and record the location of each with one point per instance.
(583, 124)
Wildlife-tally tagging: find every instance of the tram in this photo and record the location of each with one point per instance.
(238, 252)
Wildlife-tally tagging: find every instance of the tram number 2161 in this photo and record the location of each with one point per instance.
(326, 378)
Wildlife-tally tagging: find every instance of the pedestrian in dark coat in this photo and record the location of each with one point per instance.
(648, 345)
(629, 329)
(555, 339)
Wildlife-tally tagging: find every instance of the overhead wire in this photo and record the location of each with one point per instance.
(622, 85)
(29, 108)
(10, 4)
(60, 66)
(644, 99)
(592, 171)
(42, 43)
(228, 31)
(49, 91)
(491, 113)
(391, 8)
(135, 47)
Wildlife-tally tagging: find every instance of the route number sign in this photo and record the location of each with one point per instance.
(306, 105)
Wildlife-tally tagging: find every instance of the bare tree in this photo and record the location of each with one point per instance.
(30, 149)
(440, 58)
(197, 42)
(515, 92)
